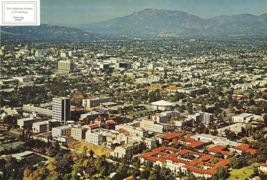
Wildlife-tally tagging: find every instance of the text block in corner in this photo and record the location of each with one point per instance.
(20, 13)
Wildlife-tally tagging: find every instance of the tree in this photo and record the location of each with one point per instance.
(191, 176)
(26, 173)
(234, 163)
(219, 155)
(214, 161)
(220, 172)
(91, 152)
(63, 162)
(85, 148)
(145, 174)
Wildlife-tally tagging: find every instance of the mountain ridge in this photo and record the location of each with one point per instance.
(157, 22)
(47, 32)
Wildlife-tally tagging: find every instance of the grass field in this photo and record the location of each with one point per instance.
(139, 113)
(243, 173)
(10, 145)
(36, 159)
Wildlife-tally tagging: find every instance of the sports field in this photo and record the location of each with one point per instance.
(10, 145)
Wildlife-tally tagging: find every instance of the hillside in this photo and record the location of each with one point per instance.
(46, 32)
(162, 23)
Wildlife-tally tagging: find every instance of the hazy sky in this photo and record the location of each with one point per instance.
(86, 11)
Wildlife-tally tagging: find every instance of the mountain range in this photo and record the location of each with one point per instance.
(46, 32)
(145, 23)
(162, 23)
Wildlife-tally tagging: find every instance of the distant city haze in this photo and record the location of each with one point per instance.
(74, 12)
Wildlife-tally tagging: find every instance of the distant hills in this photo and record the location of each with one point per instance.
(164, 23)
(46, 32)
(145, 23)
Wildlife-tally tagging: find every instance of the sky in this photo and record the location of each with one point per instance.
(87, 11)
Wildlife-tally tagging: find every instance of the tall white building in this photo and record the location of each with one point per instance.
(61, 109)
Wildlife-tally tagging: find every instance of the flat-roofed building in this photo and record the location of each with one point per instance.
(94, 102)
(78, 133)
(123, 151)
(153, 66)
(89, 117)
(202, 117)
(67, 66)
(23, 79)
(38, 127)
(94, 138)
(150, 143)
(39, 110)
(189, 90)
(151, 125)
(27, 122)
(165, 116)
(246, 117)
(61, 131)
(123, 65)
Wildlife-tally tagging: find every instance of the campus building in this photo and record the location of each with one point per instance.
(27, 122)
(61, 109)
(61, 131)
(94, 102)
(94, 138)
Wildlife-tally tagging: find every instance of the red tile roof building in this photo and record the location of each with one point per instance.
(171, 136)
(245, 148)
(219, 149)
(177, 160)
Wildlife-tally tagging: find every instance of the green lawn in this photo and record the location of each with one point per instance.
(10, 145)
(139, 113)
(243, 173)
(31, 161)
(36, 159)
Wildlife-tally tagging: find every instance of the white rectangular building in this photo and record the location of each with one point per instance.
(61, 131)
(94, 102)
(246, 117)
(38, 127)
(27, 122)
(94, 138)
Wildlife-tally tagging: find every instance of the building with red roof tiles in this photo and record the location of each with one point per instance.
(187, 140)
(171, 136)
(201, 166)
(237, 96)
(219, 149)
(262, 167)
(242, 147)
(245, 148)
(99, 119)
(205, 169)
(92, 126)
(110, 124)
(196, 144)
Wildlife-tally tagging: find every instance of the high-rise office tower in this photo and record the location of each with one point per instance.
(61, 109)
